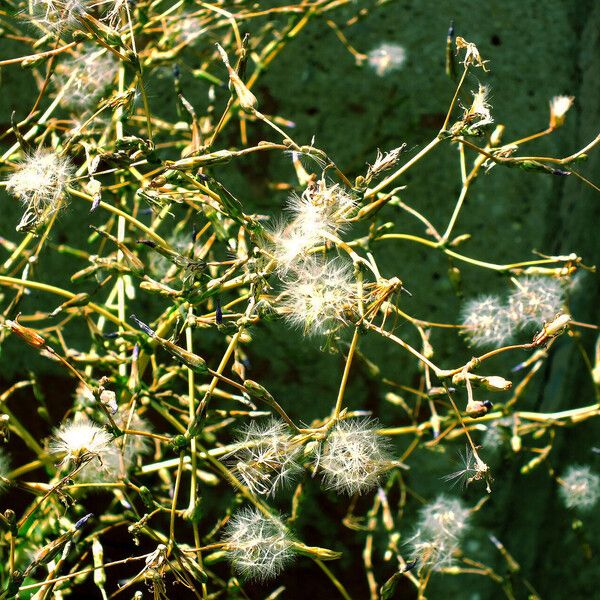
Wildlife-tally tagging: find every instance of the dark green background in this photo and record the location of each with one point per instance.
(536, 50)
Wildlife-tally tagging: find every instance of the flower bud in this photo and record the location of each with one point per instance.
(478, 408)
(30, 336)
(248, 101)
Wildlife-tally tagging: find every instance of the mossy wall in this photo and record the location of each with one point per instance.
(536, 50)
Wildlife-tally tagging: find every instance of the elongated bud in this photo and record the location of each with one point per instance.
(248, 101)
(78, 300)
(29, 336)
(188, 359)
(194, 162)
(557, 325)
(11, 519)
(98, 554)
(133, 262)
(316, 552)
(552, 329)
(147, 498)
(493, 383)
(255, 390)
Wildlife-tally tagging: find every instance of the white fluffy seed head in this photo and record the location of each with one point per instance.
(79, 440)
(559, 106)
(290, 243)
(94, 72)
(321, 207)
(123, 454)
(445, 518)
(387, 58)
(319, 211)
(267, 457)
(258, 547)
(353, 458)
(318, 295)
(58, 15)
(441, 526)
(39, 183)
(580, 487)
(487, 322)
(536, 300)
(479, 113)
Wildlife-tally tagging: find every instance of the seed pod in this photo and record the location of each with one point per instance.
(248, 101)
(29, 336)
(478, 408)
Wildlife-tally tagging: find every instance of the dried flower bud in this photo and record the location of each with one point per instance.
(248, 101)
(30, 336)
(109, 399)
(472, 56)
(478, 408)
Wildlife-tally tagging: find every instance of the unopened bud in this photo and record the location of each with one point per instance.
(478, 408)
(255, 390)
(495, 383)
(557, 325)
(248, 101)
(515, 443)
(109, 399)
(98, 554)
(316, 552)
(30, 336)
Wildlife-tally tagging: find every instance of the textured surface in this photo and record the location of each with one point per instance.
(536, 50)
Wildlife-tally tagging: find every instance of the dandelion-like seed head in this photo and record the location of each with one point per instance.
(39, 183)
(445, 518)
(387, 58)
(441, 526)
(321, 207)
(258, 547)
(473, 469)
(59, 14)
(536, 300)
(124, 451)
(487, 322)
(433, 553)
(318, 295)
(580, 487)
(79, 440)
(267, 457)
(95, 70)
(354, 457)
(321, 210)
(290, 243)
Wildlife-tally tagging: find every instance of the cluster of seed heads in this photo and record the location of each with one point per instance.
(316, 292)
(490, 321)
